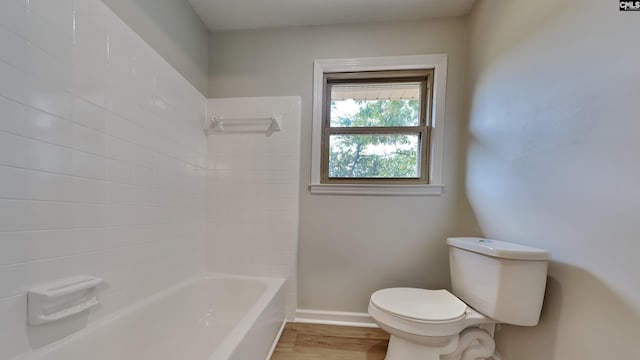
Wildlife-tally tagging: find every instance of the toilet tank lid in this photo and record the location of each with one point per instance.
(500, 249)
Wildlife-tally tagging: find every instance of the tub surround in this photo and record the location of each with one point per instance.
(103, 161)
(102, 164)
(252, 192)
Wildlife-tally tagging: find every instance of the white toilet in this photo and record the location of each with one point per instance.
(492, 282)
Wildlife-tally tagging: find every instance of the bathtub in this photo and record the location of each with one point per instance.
(210, 317)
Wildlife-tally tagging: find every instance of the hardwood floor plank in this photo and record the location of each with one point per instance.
(287, 340)
(344, 331)
(301, 341)
(336, 342)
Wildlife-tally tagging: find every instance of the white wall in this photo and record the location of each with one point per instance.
(102, 162)
(353, 245)
(553, 162)
(174, 30)
(252, 192)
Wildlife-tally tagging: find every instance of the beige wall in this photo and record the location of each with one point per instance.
(174, 30)
(349, 245)
(553, 161)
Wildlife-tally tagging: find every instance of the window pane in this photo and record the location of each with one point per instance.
(375, 104)
(374, 156)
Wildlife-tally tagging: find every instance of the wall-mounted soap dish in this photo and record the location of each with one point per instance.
(62, 298)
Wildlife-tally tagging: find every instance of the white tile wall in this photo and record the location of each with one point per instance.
(252, 193)
(102, 160)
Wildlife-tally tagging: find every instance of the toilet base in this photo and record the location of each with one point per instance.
(401, 349)
(472, 343)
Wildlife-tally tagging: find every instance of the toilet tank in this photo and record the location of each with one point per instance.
(502, 280)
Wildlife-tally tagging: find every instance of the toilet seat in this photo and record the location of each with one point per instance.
(420, 305)
(420, 313)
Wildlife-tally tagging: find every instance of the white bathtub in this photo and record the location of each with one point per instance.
(211, 317)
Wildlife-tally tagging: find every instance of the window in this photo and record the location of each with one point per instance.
(378, 125)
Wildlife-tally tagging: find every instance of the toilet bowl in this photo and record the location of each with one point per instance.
(427, 324)
(504, 282)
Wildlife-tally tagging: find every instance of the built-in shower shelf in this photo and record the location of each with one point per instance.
(249, 125)
(62, 298)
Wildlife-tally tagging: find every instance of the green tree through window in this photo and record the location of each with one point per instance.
(393, 155)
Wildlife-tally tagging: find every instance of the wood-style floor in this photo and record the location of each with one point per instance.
(325, 342)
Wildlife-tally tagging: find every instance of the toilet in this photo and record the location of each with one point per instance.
(492, 282)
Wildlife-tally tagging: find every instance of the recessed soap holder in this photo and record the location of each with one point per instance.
(62, 298)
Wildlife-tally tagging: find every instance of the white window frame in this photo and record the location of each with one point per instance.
(438, 62)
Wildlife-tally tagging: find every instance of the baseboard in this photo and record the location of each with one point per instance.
(342, 318)
(275, 342)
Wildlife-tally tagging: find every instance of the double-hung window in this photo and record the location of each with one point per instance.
(378, 125)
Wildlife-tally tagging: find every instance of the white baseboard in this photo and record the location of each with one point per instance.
(342, 318)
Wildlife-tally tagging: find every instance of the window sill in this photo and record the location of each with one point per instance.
(376, 189)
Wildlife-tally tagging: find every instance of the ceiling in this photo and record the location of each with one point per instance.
(220, 15)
